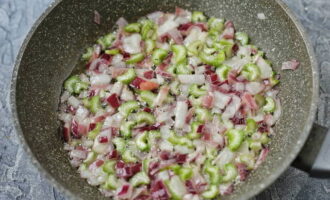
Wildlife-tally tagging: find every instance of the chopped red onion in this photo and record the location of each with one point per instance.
(192, 79)
(254, 87)
(250, 101)
(66, 132)
(293, 65)
(208, 100)
(195, 33)
(149, 74)
(113, 100)
(78, 154)
(158, 190)
(175, 35)
(161, 96)
(168, 25)
(181, 111)
(136, 82)
(228, 33)
(265, 68)
(121, 22)
(100, 79)
(155, 16)
(131, 44)
(97, 17)
(232, 108)
(262, 157)
(127, 94)
(125, 192)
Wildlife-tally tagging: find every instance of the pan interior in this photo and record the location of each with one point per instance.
(54, 51)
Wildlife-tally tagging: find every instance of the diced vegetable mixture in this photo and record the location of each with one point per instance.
(173, 106)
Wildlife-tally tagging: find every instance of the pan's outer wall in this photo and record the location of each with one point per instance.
(54, 48)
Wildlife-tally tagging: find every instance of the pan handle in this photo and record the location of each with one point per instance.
(314, 157)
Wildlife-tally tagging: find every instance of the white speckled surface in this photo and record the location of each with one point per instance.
(20, 180)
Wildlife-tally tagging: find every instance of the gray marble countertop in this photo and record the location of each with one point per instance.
(19, 179)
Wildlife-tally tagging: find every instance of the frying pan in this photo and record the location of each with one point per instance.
(52, 50)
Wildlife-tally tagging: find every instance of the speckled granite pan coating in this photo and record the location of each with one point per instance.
(52, 49)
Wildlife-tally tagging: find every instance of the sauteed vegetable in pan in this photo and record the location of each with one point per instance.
(176, 105)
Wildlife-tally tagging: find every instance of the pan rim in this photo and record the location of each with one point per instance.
(286, 162)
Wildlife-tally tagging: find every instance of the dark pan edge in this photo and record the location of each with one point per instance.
(309, 122)
(268, 182)
(13, 109)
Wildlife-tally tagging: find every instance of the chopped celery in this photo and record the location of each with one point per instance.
(260, 100)
(196, 102)
(214, 174)
(158, 56)
(211, 152)
(111, 183)
(179, 140)
(175, 168)
(251, 125)
(129, 106)
(95, 104)
(127, 77)
(176, 187)
(80, 86)
(215, 24)
(198, 16)
(106, 40)
(211, 193)
(148, 30)
(230, 172)
(145, 117)
(273, 81)
(243, 38)
(179, 54)
(193, 133)
(120, 144)
(171, 69)
(87, 56)
(126, 128)
(203, 114)
(225, 45)
(248, 160)
(112, 51)
(185, 173)
(214, 60)
(133, 28)
(141, 178)
(145, 165)
(255, 145)
(75, 85)
(142, 141)
(149, 45)
(183, 69)
(251, 72)
(153, 136)
(270, 105)
(264, 139)
(148, 97)
(135, 58)
(93, 133)
(109, 166)
(235, 138)
(223, 71)
(209, 51)
(91, 156)
(195, 47)
(174, 88)
(128, 156)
